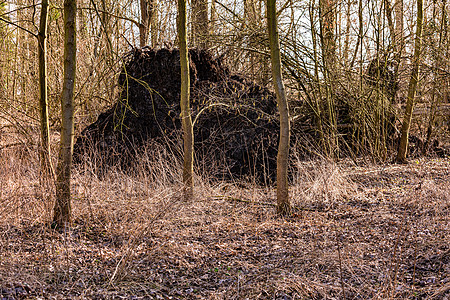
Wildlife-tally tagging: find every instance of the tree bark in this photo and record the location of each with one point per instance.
(328, 26)
(146, 20)
(188, 132)
(199, 23)
(399, 36)
(328, 43)
(283, 204)
(435, 99)
(360, 34)
(388, 13)
(396, 38)
(399, 43)
(213, 18)
(318, 98)
(154, 29)
(44, 150)
(403, 147)
(62, 209)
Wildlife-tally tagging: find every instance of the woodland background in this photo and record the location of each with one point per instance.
(362, 228)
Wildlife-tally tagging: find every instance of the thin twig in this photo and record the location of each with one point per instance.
(18, 26)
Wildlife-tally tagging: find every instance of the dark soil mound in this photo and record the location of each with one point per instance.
(236, 128)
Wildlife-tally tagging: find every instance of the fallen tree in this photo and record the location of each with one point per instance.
(235, 120)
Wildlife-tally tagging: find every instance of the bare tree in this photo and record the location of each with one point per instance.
(188, 132)
(62, 209)
(283, 204)
(435, 97)
(199, 23)
(44, 151)
(154, 30)
(327, 29)
(403, 147)
(147, 9)
(399, 35)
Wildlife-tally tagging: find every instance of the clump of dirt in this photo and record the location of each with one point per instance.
(235, 129)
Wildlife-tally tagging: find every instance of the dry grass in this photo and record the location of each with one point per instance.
(372, 232)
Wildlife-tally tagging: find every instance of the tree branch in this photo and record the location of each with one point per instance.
(18, 26)
(110, 14)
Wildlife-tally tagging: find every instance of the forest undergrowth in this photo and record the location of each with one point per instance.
(359, 231)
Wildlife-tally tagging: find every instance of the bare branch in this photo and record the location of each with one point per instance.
(18, 26)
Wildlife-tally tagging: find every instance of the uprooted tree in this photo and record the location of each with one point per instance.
(235, 120)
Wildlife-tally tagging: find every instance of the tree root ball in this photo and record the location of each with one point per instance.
(236, 120)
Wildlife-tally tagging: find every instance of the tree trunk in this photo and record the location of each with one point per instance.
(388, 13)
(399, 36)
(396, 42)
(62, 209)
(348, 25)
(146, 19)
(199, 23)
(435, 100)
(399, 44)
(44, 150)
(154, 30)
(213, 18)
(403, 147)
(328, 43)
(328, 24)
(283, 204)
(318, 98)
(360, 34)
(188, 132)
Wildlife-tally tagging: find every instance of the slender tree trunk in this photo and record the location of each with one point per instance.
(328, 26)
(44, 151)
(199, 23)
(318, 98)
(435, 100)
(154, 30)
(360, 34)
(388, 13)
(188, 132)
(328, 43)
(396, 33)
(107, 31)
(399, 43)
(348, 25)
(213, 18)
(283, 204)
(403, 147)
(62, 210)
(146, 20)
(248, 25)
(399, 34)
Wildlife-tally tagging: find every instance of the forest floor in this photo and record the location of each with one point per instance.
(358, 232)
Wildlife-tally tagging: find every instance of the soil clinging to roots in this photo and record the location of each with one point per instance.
(236, 127)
